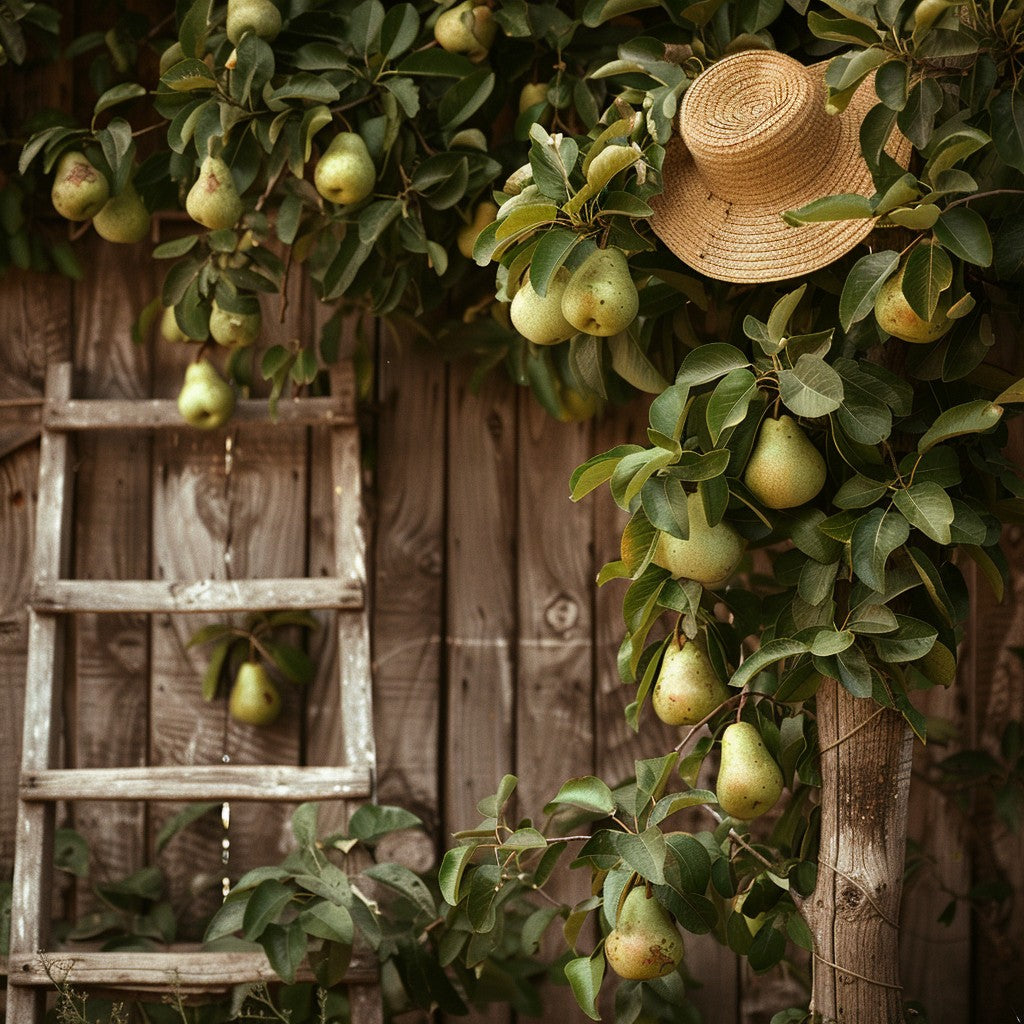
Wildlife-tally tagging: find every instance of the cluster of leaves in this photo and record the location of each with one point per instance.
(318, 905)
(263, 636)
(712, 881)
(27, 30)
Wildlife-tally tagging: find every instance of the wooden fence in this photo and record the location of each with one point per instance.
(493, 650)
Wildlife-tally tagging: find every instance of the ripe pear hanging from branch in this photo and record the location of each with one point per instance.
(645, 942)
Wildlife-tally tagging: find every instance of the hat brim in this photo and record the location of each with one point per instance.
(746, 240)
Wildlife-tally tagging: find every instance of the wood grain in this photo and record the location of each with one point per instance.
(555, 700)
(408, 606)
(112, 540)
(480, 601)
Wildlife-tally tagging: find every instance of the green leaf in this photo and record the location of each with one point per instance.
(862, 284)
(848, 206)
(632, 365)
(398, 31)
(664, 501)
(709, 362)
(728, 404)
(265, 905)
(453, 867)
(328, 921)
(812, 388)
(965, 234)
(180, 821)
(854, 672)
(872, 618)
(695, 466)
(928, 507)
(525, 839)
(767, 654)
(598, 469)
(189, 74)
(465, 98)
(551, 253)
(407, 883)
(119, 94)
(913, 639)
(211, 677)
(827, 642)
(969, 418)
(859, 492)
(643, 853)
(371, 822)
(674, 802)
(585, 973)
(587, 792)
(875, 537)
(285, 947)
(782, 312)
(668, 411)
(71, 852)
(493, 806)
(917, 118)
(928, 273)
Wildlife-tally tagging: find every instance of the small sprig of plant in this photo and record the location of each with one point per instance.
(240, 656)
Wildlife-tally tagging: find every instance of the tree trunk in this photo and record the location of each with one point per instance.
(854, 910)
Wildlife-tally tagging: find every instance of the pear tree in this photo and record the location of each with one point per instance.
(493, 169)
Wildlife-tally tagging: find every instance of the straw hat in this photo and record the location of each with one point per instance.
(754, 141)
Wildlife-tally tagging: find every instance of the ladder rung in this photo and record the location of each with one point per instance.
(199, 596)
(183, 971)
(162, 413)
(198, 782)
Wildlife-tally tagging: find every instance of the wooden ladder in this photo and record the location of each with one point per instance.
(54, 598)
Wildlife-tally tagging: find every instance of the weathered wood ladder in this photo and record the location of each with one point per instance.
(55, 598)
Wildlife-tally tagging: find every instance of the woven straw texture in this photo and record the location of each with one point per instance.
(755, 140)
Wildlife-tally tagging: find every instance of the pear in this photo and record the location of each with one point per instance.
(749, 781)
(466, 237)
(213, 200)
(206, 399)
(785, 469)
(124, 218)
(540, 320)
(709, 556)
(79, 190)
(896, 317)
(531, 94)
(645, 942)
(601, 298)
(233, 329)
(466, 28)
(254, 699)
(258, 16)
(345, 173)
(688, 688)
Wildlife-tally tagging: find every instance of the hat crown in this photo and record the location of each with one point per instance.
(756, 122)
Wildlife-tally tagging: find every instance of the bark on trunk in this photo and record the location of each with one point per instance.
(854, 910)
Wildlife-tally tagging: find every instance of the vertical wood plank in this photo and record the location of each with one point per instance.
(481, 603)
(408, 609)
(555, 699)
(111, 542)
(938, 829)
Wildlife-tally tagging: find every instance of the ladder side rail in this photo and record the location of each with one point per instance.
(33, 845)
(354, 666)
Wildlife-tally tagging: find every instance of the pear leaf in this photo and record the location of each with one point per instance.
(969, 418)
(928, 507)
(709, 362)
(768, 654)
(875, 537)
(812, 388)
(587, 792)
(862, 283)
(585, 974)
(450, 874)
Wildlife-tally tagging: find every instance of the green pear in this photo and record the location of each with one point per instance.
(466, 28)
(206, 399)
(784, 469)
(540, 320)
(466, 236)
(124, 218)
(709, 556)
(233, 329)
(896, 317)
(254, 699)
(213, 200)
(345, 173)
(601, 298)
(688, 688)
(645, 942)
(79, 190)
(258, 16)
(531, 94)
(749, 780)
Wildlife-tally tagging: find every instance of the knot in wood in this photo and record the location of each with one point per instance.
(562, 613)
(495, 425)
(851, 897)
